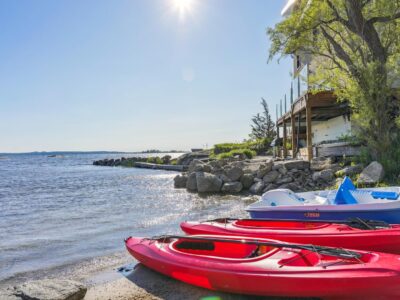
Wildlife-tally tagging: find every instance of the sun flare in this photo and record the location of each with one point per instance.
(183, 6)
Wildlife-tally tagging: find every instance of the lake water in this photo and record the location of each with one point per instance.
(56, 211)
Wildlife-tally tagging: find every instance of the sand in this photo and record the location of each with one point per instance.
(144, 284)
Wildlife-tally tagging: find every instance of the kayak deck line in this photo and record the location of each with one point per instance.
(355, 222)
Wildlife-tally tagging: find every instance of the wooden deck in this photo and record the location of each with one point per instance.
(310, 107)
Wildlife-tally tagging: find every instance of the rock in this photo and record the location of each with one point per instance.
(349, 171)
(269, 187)
(207, 168)
(283, 170)
(291, 186)
(324, 175)
(232, 187)
(187, 158)
(247, 180)
(216, 164)
(321, 163)
(51, 289)
(251, 168)
(294, 187)
(191, 182)
(271, 176)
(180, 181)
(296, 164)
(264, 169)
(8, 294)
(166, 159)
(196, 166)
(257, 188)
(372, 174)
(234, 173)
(224, 178)
(284, 180)
(208, 183)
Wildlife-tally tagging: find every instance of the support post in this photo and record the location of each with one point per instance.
(309, 132)
(293, 124)
(284, 139)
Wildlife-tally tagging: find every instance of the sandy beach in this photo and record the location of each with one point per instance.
(144, 284)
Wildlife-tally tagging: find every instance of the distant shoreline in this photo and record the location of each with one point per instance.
(90, 152)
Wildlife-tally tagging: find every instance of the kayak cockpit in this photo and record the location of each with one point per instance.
(307, 258)
(218, 249)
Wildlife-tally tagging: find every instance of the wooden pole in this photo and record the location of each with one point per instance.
(284, 139)
(309, 131)
(292, 121)
(291, 93)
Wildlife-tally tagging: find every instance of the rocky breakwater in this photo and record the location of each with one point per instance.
(256, 176)
(130, 161)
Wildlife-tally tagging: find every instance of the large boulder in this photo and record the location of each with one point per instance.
(232, 187)
(324, 175)
(234, 173)
(191, 182)
(271, 176)
(247, 180)
(296, 164)
(251, 168)
(51, 289)
(257, 188)
(372, 174)
(208, 183)
(180, 181)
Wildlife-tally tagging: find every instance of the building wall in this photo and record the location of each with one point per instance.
(331, 129)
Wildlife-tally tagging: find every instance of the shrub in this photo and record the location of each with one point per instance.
(257, 146)
(248, 153)
(154, 160)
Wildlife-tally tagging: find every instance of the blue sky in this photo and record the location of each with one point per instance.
(131, 75)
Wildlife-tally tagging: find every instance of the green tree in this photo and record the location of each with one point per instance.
(356, 43)
(262, 126)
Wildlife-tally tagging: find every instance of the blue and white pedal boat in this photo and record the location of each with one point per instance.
(347, 202)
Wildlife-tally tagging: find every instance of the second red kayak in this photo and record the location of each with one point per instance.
(363, 237)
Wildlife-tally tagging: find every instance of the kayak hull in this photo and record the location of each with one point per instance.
(304, 213)
(326, 234)
(267, 275)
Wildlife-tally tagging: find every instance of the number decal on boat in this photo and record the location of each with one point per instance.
(312, 214)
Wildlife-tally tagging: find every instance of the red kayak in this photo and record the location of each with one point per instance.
(266, 267)
(353, 235)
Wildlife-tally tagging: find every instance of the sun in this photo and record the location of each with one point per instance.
(183, 6)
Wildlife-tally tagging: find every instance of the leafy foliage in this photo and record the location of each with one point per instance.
(355, 48)
(241, 152)
(228, 150)
(262, 125)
